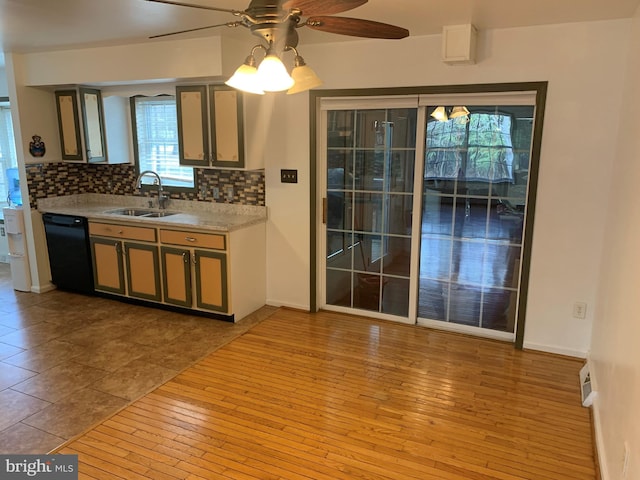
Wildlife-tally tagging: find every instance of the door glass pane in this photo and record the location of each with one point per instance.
(474, 201)
(370, 172)
(395, 296)
(339, 287)
(367, 212)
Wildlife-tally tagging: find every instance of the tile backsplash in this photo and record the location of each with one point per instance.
(59, 179)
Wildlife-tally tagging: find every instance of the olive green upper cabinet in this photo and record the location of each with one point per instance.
(81, 125)
(211, 128)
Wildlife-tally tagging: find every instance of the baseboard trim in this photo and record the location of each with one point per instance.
(554, 349)
(42, 288)
(598, 440)
(293, 306)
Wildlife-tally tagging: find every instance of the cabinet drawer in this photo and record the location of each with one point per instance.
(143, 234)
(193, 239)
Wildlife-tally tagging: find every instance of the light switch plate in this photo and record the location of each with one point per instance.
(288, 176)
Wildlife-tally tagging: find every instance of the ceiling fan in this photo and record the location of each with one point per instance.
(276, 22)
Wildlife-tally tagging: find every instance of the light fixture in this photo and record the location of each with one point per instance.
(440, 114)
(271, 75)
(303, 75)
(245, 77)
(459, 112)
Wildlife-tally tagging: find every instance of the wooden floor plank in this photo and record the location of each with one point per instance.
(336, 397)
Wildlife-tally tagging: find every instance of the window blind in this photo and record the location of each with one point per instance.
(157, 140)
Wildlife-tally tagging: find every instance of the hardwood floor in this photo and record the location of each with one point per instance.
(328, 396)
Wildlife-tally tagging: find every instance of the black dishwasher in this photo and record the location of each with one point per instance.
(69, 252)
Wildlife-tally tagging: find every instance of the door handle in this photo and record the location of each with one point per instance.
(324, 210)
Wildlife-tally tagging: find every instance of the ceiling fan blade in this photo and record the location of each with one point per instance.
(180, 4)
(322, 7)
(228, 24)
(356, 27)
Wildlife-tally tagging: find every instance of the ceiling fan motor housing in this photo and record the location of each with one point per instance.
(277, 26)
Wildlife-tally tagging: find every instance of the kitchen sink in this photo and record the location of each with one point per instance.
(140, 212)
(131, 212)
(159, 214)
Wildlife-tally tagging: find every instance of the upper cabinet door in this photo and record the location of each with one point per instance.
(193, 125)
(93, 121)
(227, 132)
(212, 129)
(81, 125)
(69, 125)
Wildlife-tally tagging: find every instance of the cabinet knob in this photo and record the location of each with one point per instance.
(190, 239)
(185, 257)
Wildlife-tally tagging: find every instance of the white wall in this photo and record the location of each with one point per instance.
(152, 61)
(578, 61)
(615, 356)
(288, 229)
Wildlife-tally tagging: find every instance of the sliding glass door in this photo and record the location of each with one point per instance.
(370, 157)
(474, 200)
(425, 207)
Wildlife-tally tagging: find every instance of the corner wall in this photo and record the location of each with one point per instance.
(615, 356)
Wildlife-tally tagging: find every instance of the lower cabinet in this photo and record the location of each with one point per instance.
(175, 267)
(143, 271)
(125, 267)
(195, 277)
(108, 267)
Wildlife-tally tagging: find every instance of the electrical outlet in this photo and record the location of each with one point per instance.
(216, 193)
(229, 194)
(579, 310)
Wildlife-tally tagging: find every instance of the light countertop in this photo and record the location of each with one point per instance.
(190, 214)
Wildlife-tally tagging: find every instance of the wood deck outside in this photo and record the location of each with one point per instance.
(330, 396)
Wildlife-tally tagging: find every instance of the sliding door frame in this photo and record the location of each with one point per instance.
(540, 88)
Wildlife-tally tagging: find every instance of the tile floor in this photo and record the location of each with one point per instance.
(69, 361)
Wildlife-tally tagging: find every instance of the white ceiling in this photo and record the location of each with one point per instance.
(40, 25)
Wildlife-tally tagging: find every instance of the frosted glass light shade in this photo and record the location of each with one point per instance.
(305, 79)
(459, 112)
(246, 79)
(440, 114)
(273, 76)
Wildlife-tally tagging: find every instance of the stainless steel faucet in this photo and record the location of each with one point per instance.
(162, 200)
